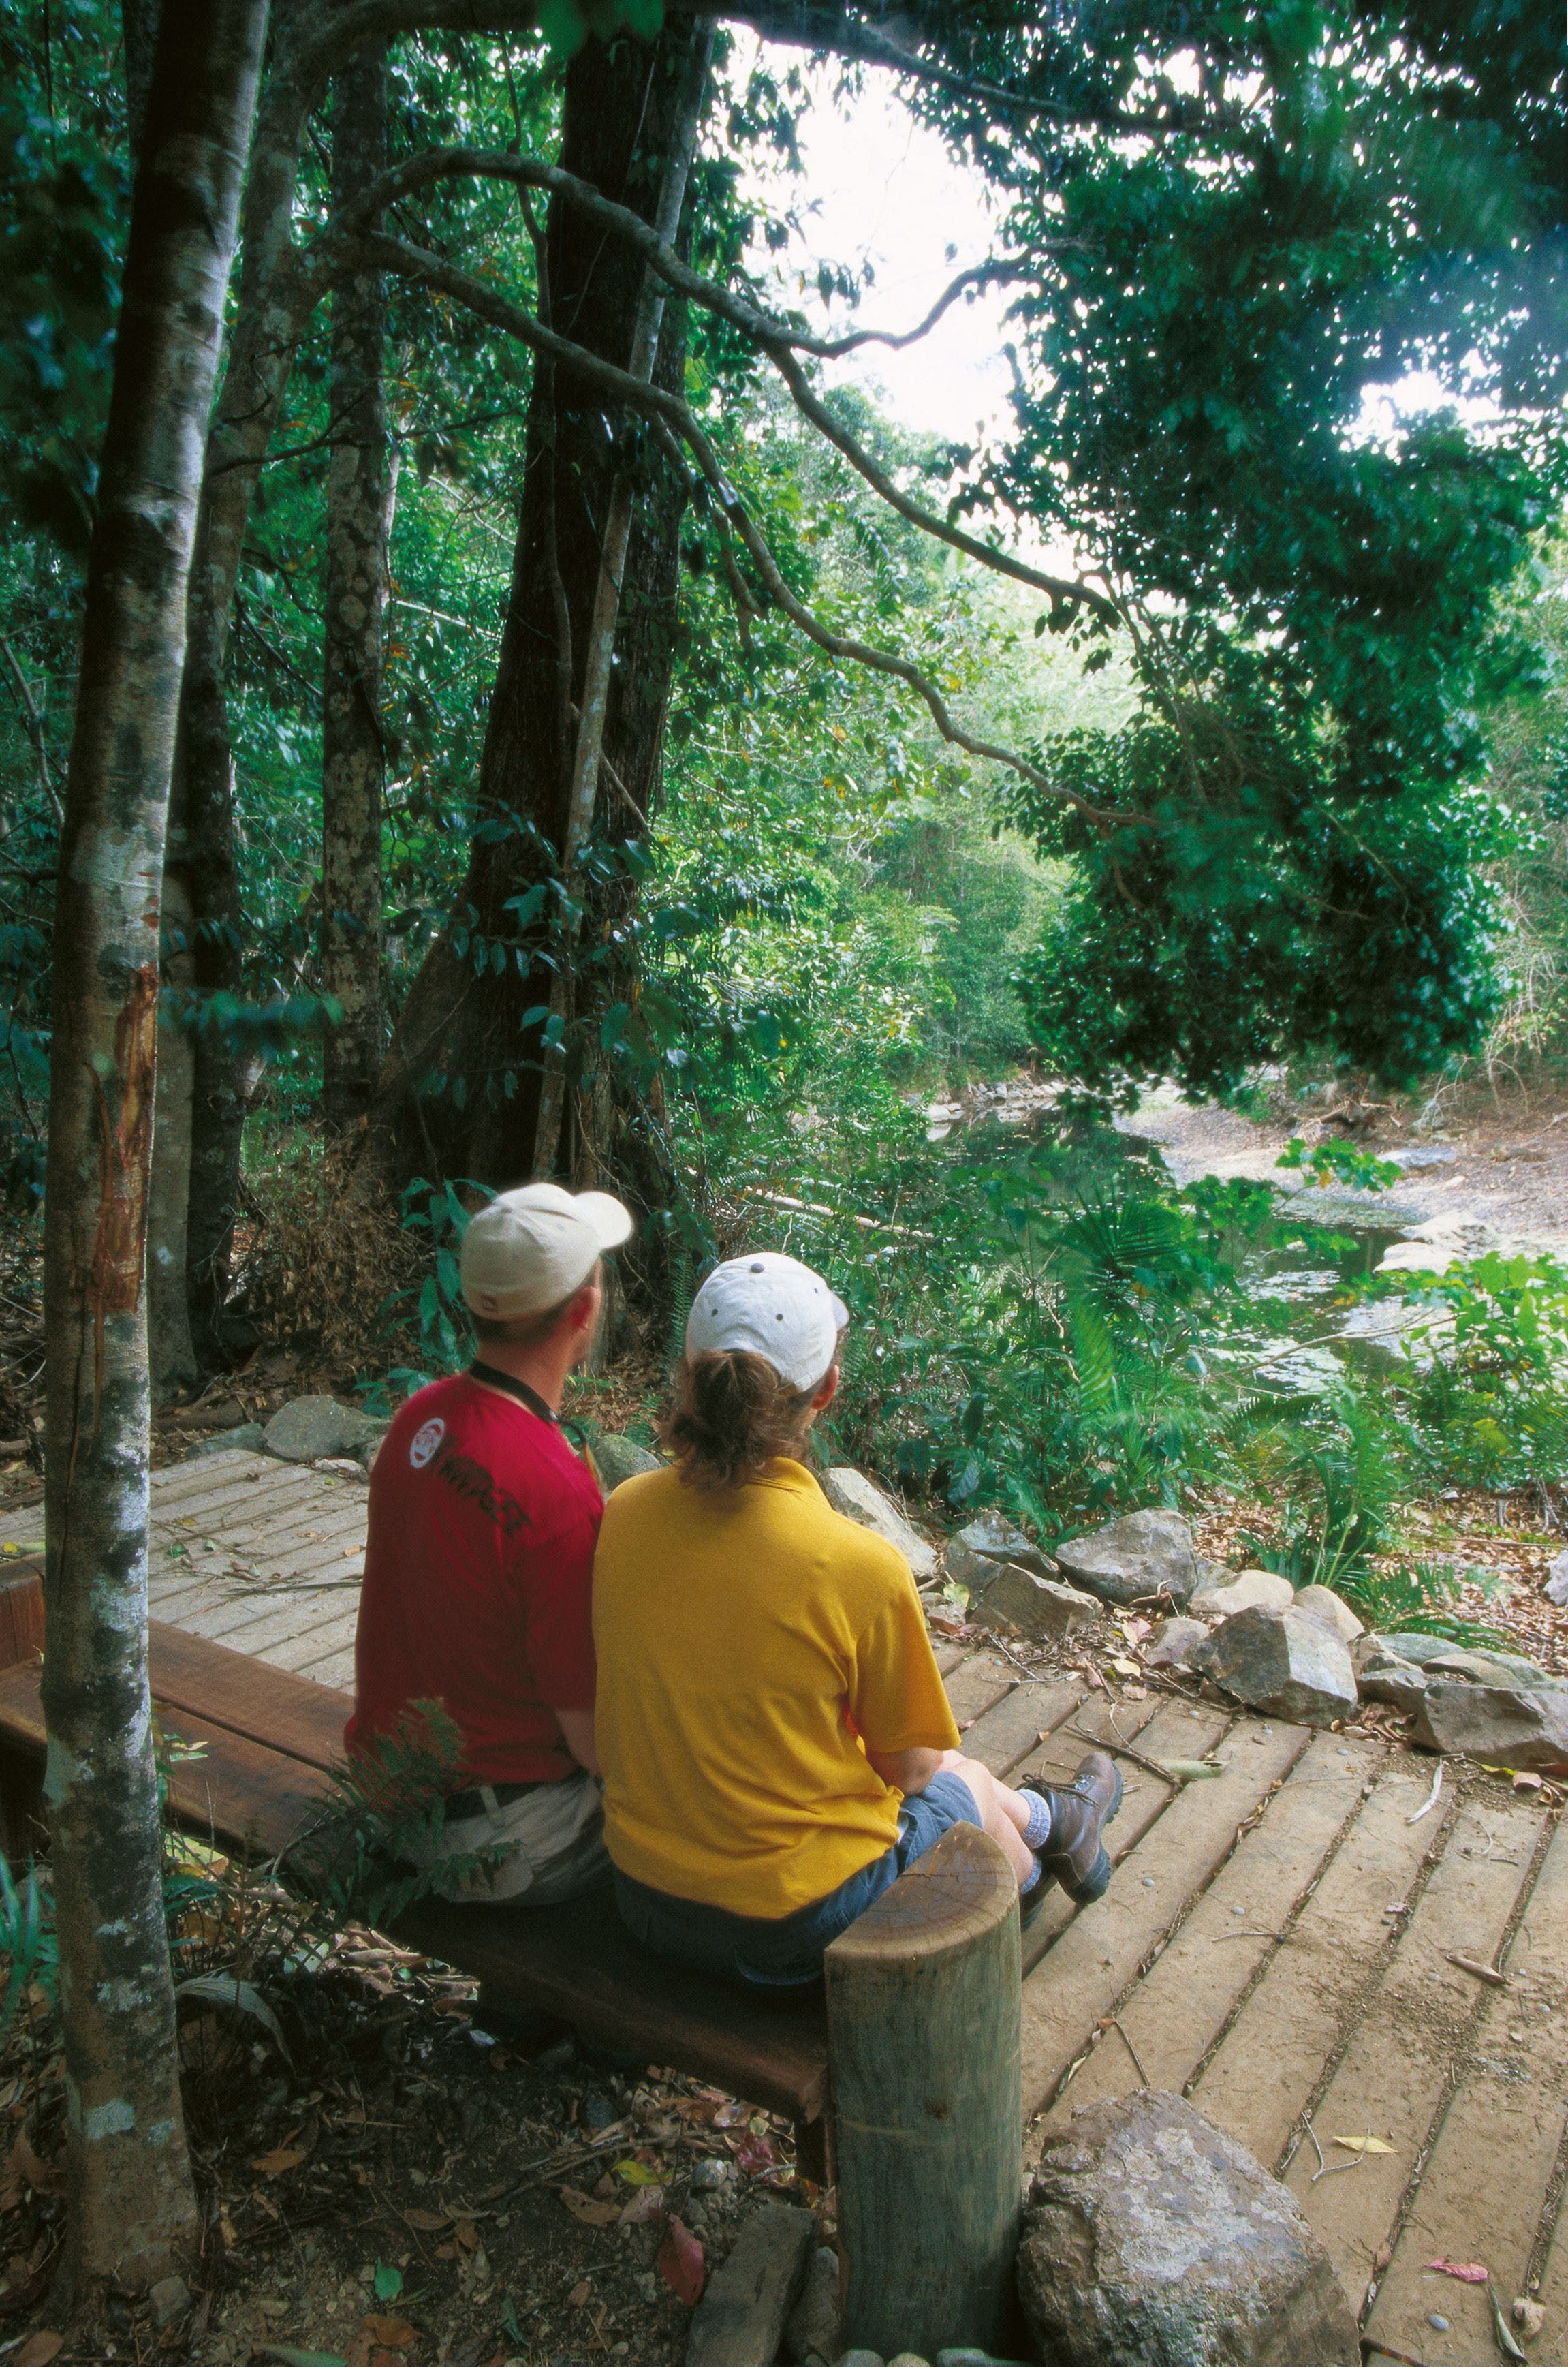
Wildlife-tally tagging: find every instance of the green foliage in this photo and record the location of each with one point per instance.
(379, 1845)
(27, 1943)
(1341, 1163)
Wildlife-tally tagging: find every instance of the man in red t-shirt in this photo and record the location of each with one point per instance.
(480, 1560)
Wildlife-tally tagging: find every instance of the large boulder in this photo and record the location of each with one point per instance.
(1522, 1728)
(616, 1458)
(1285, 1663)
(1324, 1603)
(308, 1429)
(1151, 2239)
(860, 1499)
(815, 2326)
(1226, 1596)
(1173, 1643)
(1133, 1560)
(980, 1548)
(249, 1439)
(1039, 1608)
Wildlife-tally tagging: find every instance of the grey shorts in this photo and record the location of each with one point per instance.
(551, 1841)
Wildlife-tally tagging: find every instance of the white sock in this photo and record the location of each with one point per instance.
(1030, 1881)
(1037, 1831)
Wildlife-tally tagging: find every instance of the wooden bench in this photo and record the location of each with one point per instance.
(913, 1993)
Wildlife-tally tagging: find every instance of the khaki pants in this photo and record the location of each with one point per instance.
(553, 1841)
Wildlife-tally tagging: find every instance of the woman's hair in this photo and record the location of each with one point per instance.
(731, 1414)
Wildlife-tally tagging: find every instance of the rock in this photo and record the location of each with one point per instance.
(1286, 1663)
(994, 1537)
(1484, 1667)
(343, 1466)
(1240, 1593)
(1151, 2239)
(1038, 1607)
(739, 2321)
(860, 1499)
(861, 2358)
(170, 2298)
(1324, 1603)
(1557, 1582)
(815, 2328)
(1521, 1729)
(909, 2359)
(616, 1458)
(1408, 1645)
(1528, 2316)
(1173, 1643)
(1385, 1677)
(959, 2357)
(712, 2175)
(249, 1438)
(1140, 1556)
(307, 1430)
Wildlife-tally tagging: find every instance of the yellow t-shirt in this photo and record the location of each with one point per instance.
(744, 1640)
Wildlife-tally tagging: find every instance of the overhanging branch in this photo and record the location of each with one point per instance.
(678, 421)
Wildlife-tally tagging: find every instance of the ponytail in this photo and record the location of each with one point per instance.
(731, 1415)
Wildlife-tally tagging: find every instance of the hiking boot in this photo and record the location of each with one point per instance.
(1074, 1854)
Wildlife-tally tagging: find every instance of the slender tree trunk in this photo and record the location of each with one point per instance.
(630, 119)
(139, 31)
(132, 2205)
(357, 524)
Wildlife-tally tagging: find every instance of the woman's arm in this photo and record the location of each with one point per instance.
(905, 1771)
(577, 1725)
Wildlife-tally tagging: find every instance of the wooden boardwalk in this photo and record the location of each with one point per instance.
(1277, 1940)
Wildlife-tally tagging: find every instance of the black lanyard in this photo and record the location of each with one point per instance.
(488, 1374)
(514, 1388)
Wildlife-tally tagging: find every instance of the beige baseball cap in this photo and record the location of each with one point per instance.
(532, 1248)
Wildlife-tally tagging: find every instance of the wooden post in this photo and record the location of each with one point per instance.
(923, 2067)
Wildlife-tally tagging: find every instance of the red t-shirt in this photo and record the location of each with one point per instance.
(478, 1573)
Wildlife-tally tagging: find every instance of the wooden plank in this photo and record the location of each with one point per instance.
(1094, 1960)
(270, 1483)
(231, 1690)
(982, 1680)
(579, 1961)
(248, 1797)
(1011, 1729)
(21, 1612)
(258, 1625)
(307, 1649)
(1272, 2058)
(949, 1652)
(1180, 2007)
(310, 1534)
(337, 1669)
(1056, 1760)
(1483, 2188)
(1416, 2027)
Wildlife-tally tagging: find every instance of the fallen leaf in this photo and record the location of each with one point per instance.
(417, 2216)
(466, 2235)
(593, 2214)
(40, 2348)
(1469, 2272)
(1525, 1781)
(447, 2252)
(753, 2155)
(294, 2358)
(1126, 1668)
(638, 2173)
(1366, 2145)
(392, 2333)
(580, 2294)
(645, 2207)
(679, 2261)
(359, 2349)
(44, 2175)
(1506, 2342)
(730, 2115)
(1192, 1770)
(389, 2280)
(282, 2157)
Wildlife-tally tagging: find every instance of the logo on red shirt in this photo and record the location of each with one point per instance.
(425, 1442)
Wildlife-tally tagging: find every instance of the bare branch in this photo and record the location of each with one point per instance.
(32, 722)
(780, 340)
(669, 410)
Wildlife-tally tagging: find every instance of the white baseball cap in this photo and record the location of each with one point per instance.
(532, 1248)
(776, 1308)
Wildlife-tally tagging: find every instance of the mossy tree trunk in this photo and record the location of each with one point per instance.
(629, 127)
(132, 2209)
(358, 522)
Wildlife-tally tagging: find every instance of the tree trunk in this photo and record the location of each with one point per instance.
(132, 2205)
(357, 525)
(462, 1089)
(139, 33)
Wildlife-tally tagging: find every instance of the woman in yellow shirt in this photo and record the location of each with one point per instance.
(776, 1744)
